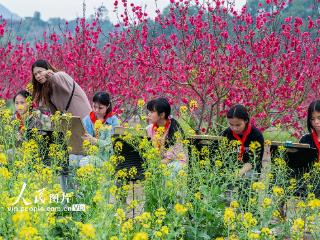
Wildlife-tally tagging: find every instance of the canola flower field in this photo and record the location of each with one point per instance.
(206, 200)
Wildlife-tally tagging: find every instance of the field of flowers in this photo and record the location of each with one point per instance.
(206, 200)
(203, 56)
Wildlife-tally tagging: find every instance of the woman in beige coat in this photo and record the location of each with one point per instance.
(57, 90)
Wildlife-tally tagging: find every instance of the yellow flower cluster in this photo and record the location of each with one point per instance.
(180, 209)
(85, 172)
(127, 226)
(160, 213)
(298, 225)
(120, 214)
(4, 173)
(254, 146)
(193, 104)
(229, 215)
(278, 191)
(140, 102)
(98, 197)
(314, 203)
(2, 102)
(140, 236)
(218, 163)
(248, 220)
(118, 146)
(279, 162)
(22, 216)
(28, 233)
(266, 231)
(266, 202)
(183, 108)
(87, 231)
(234, 204)
(97, 125)
(253, 235)
(258, 186)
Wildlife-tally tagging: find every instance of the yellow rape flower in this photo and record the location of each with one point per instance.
(98, 124)
(233, 237)
(254, 146)
(160, 213)
(28, 232)
(249, 220)
(133, 172)
(265, 231)
(278, 191)
(218, 163)
(93, 150)
(253, 235)
(140, 236)
(234, 204)
(298, 225)
(158, 234)
(258, 186)
(86, 144)
(127, 226)
(165, 230)
(314, 203)
(3, 159)
(197, 195)
(311, 196)
(193, 104)
(140, 102)
(88, 231)
(266, 202)
(118, 146)
(183, 109)
(98, 197)
(147, 174)
(279, 162)
(229, 215)
(85, 171)
(180, 209)
(113, 190)
(276, 214)
(182, 173)
(4, 172)
(267, 142)
(21, 216)
(120, 214)
(2, 102)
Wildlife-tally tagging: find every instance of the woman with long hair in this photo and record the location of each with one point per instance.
(57, 90)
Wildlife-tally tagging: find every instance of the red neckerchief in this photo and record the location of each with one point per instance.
(316, 142)
(242, 140)
(166, 126)
(19, 117)
(94, 118)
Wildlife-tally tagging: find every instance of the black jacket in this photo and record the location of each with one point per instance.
(254, 136)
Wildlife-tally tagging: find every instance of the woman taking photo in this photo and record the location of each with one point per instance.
(58, 91)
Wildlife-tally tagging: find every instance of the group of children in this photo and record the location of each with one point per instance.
(159, 116)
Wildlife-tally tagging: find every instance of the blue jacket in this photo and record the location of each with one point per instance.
(104, 141)
(89, 126)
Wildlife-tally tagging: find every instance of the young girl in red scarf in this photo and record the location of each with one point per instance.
(102, 111)
(172, 152)
(241, 129)
(27, 116)
(313, 124)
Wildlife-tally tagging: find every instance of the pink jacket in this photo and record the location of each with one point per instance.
(175, 152)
